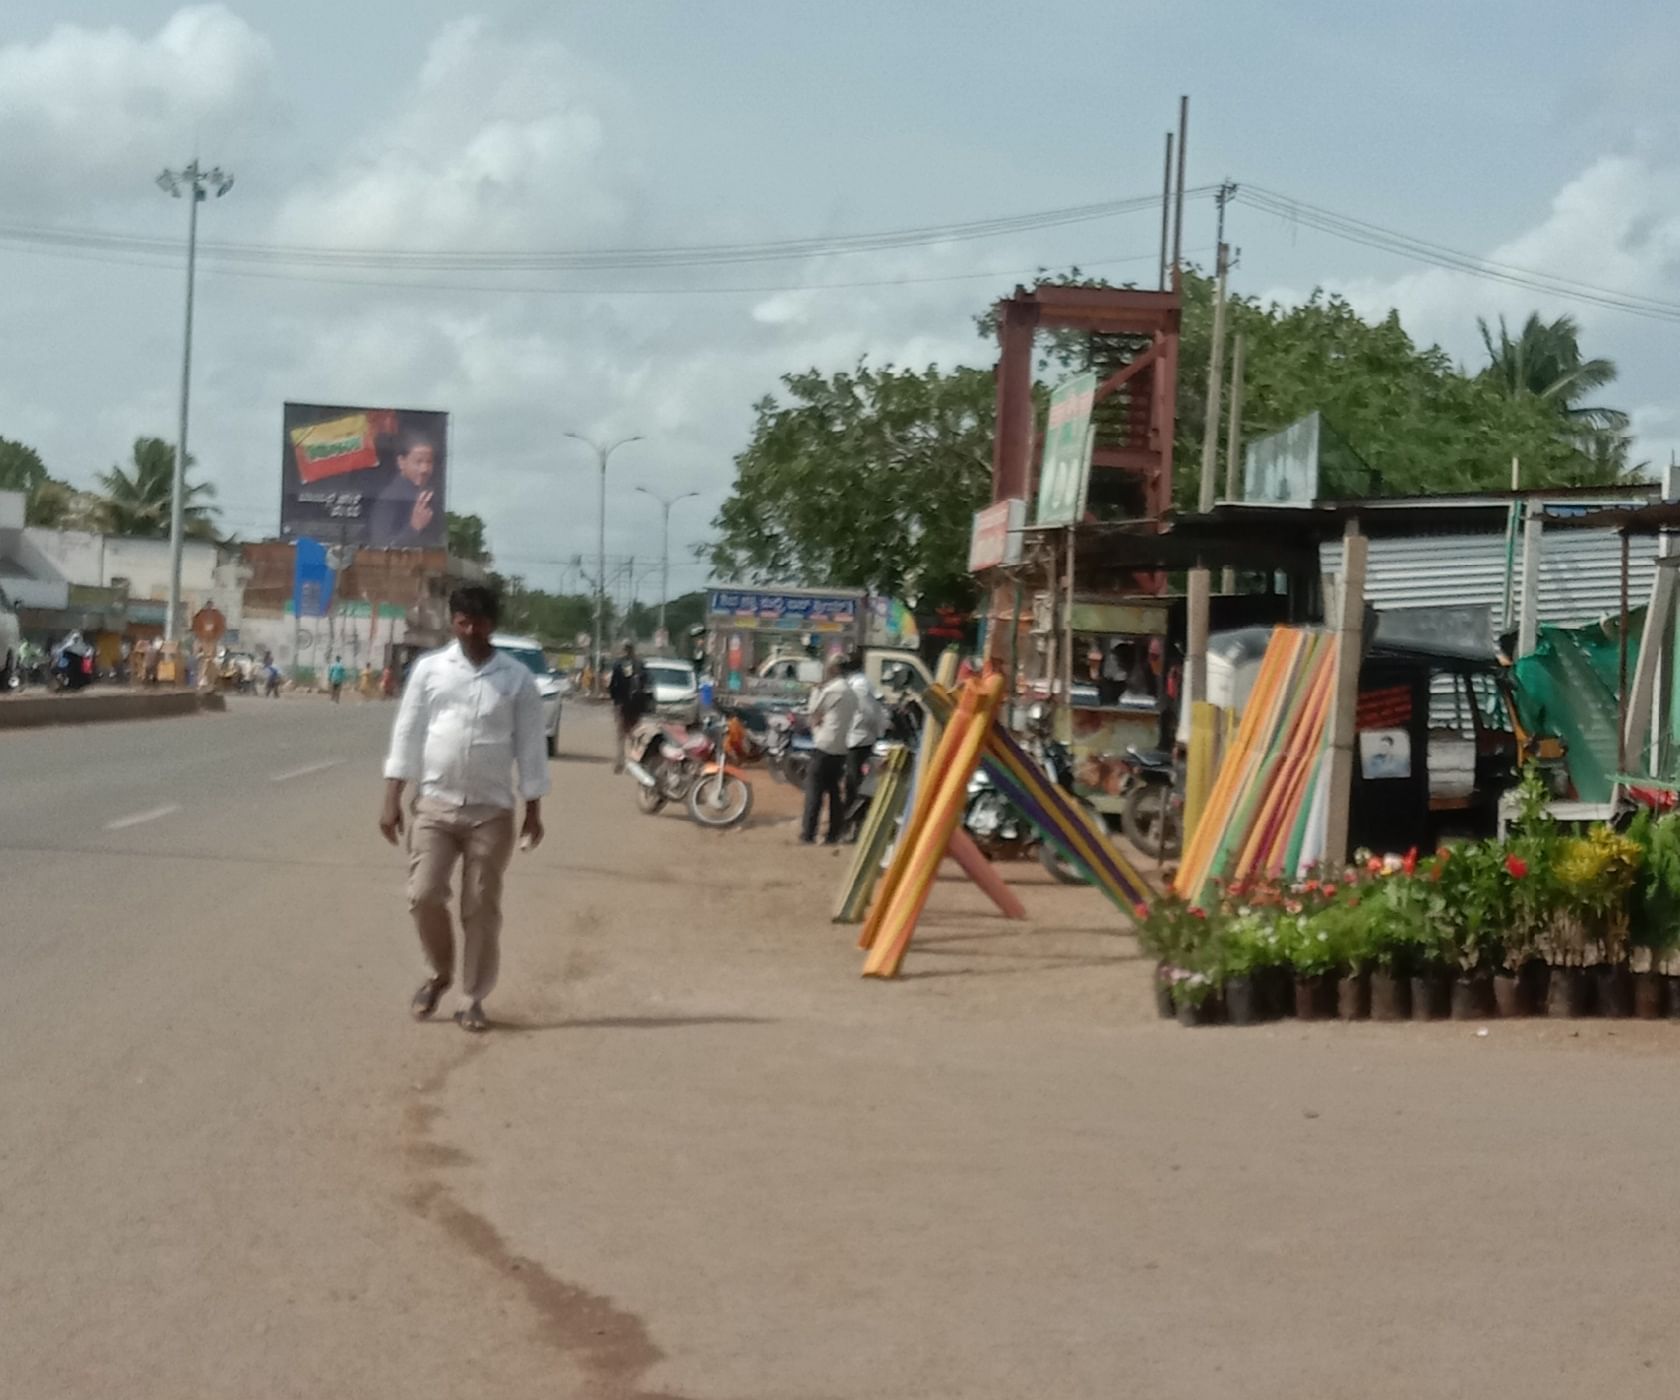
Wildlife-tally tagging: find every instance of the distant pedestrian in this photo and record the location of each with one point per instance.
(335, 678)
(627, 688)
(470, 716)
(833, 705)
(869, 723)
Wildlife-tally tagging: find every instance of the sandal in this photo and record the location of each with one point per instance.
(426, 999)
(472, 1018)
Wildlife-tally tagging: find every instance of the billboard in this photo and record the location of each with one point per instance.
(373, 477)
(1065, 473)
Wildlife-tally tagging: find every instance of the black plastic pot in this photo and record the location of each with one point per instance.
(1510, 995)
(1649, 996)
(1315, 997)
(1533, 977)
(1566, 992)
(1429, 996)
(1242, 1002)
(1391, 997)
(1673, 988)
(1353, 996)
(1197, 1013)
(1277, 991)
(1614, 984)
(1472, 998)
(1163, 993)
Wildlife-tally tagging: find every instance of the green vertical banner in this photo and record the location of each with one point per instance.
(1066, 470)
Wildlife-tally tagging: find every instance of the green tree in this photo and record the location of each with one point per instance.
(138, 497)
(868, 478)
(467, 537)
(1545, 362)
(21, 467)
(55, 505)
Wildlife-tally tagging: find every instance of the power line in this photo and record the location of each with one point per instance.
(680, 256)
(1376, 236)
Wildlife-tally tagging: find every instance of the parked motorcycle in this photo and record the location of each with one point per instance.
(697, 767)
(1153, 817)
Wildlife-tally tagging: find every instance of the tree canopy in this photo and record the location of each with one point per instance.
(138, 497)
(467, 538)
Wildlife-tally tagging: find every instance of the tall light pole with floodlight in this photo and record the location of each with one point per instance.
(197, 184)
(665, 504)
(601, 456)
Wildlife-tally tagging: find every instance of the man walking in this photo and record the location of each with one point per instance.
(335, 678)
(469, 717)
(627, 688)
(833, 704)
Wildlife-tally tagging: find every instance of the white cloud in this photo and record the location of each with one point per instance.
(91, 115)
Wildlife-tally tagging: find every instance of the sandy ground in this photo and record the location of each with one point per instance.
(702, 1158)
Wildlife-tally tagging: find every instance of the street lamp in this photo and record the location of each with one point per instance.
(601, 455)
(199, 183)
(665, 502)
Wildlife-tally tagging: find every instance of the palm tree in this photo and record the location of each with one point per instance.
(138, 499)
(1544, 362)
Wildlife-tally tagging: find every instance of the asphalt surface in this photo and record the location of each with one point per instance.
(700, 1158)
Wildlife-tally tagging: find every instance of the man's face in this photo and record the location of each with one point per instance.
(416, 463)
(472, 631)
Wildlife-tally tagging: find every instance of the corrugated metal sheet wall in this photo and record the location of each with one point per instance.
(1580, 573)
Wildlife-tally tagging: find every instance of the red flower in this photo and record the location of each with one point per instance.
(1374, 865)
(1196, 913)
(1409, 864)
(1516, 866)
(1141, 910)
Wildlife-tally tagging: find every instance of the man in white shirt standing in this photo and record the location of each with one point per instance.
(832, 707)
(470, 717)
(869, 723)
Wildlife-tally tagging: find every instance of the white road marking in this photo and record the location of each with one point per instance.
(291, 773)
(151, 814)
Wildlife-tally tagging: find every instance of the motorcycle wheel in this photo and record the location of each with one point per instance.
(1149, 821)
(649, 799)
(720, 800)
(1059, 865)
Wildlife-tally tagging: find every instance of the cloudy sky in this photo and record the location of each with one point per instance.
(1513, 131)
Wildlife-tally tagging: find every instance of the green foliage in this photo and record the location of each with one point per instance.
(467, 537)
(555, 619)
(137, 498)
(21, 467)
(1656, 909)
(868, 478)
(1544, 362)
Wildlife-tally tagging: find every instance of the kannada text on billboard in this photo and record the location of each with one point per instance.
(373, 477)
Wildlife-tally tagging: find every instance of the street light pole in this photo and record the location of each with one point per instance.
(601, 455)
(197, 183)
(665, 504)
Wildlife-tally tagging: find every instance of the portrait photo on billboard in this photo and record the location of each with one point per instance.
(373, 477)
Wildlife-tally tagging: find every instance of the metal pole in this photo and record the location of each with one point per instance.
(665, 566)
(1233, 446)
(600, 568)
(1166, 211)
(171, 621)
(1216, 380)
(1621, 671)
(1178, 202)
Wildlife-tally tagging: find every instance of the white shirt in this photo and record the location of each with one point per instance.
(832, 706)
(869, 722)
(462, 729)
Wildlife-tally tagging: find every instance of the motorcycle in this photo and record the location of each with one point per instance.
(1153, 817)
(696, 767)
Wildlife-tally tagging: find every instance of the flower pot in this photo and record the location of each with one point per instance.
(1243, 1002)
(1429, 990)
(1649, 996)
(1472, 998)
(1673, 996)
(1614, 984)
(1510, 995)
(1276, 990)
(1353, 996)
(1163, 992)
(1314, 996)
(1391, 997)
(1566, 991)
(1193, 1013)
(1532, 979)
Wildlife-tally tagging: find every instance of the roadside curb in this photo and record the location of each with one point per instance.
(37, 712)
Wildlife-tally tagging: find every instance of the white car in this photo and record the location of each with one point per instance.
(676, 691)
(550, 683)
(11, 638)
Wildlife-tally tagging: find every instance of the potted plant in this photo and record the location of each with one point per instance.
(1654, 913)
(1596, 874)
(1193, 997)
(1173, 932)
(1248, 953)
(1314, 953)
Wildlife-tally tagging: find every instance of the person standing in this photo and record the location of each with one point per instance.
(470, 717)
(335, 678)
(869, 723)
(627, 688)
(405, 512)
(833, 705)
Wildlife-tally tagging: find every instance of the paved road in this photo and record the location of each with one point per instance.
(701, 1159)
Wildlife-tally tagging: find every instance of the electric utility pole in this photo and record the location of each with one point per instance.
(1216, 362)
(197, 184)
(665, 504)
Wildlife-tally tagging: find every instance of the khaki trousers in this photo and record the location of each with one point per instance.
(481, 838)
